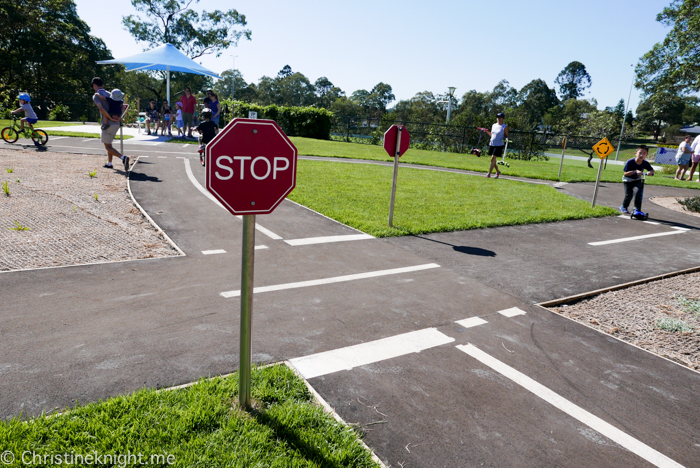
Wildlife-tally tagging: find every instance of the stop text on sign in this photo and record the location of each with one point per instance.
(259, 168)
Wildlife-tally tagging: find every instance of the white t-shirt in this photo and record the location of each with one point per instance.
(497, 134)
(681, 152)
(695, 145)
(178, 116)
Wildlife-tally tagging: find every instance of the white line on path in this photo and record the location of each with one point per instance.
(648, 222)
(367, 353)
(512, 312)
(89, 139)
(144, 157)
(327, 239)
(186, 146)
(261, 247)
(162, 157)
(206, 193)
(212, 252)
(471, 322)
(556, 400)
(54, 138)
(336, 279)
(647, 236)
(267, 232)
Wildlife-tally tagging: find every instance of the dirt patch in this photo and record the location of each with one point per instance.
(672, 204)
(70, 217)
(662, 316)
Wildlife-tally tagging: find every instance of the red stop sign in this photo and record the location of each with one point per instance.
(251, 166)
(390, 137)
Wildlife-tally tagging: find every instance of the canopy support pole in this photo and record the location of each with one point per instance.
(168, 85)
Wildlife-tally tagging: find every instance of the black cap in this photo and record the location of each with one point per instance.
(501, 115)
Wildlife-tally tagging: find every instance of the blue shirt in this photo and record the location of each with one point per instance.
(632, 165)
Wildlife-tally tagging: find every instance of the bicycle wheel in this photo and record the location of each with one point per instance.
(9, 134)
(40, 136)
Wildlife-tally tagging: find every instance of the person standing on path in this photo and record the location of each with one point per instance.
(188, 104)
(214, 106)
(632, 178)
(683, 157)
(695, 157)
(110, 124)
(498, 134)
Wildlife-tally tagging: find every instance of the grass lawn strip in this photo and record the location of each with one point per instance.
(199, 425)
(45, 123)
(572, 171)
(359, 195)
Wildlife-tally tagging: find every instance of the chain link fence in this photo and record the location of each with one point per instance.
(465, 139)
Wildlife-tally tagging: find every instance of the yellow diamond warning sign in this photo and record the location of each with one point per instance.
(603, 148)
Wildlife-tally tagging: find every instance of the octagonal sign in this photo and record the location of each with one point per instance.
(251, 166)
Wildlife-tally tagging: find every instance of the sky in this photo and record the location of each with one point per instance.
(417, 46)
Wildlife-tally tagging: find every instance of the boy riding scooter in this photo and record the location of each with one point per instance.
(632, 178)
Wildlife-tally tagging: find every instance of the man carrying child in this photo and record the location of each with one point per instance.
(110, 122)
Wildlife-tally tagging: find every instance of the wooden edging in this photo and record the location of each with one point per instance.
(578, 297)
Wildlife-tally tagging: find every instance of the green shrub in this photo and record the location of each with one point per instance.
(690, 203)
(61, 113)
(309, 122)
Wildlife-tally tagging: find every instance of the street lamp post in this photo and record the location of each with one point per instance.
(624, 118)
(449, 102)
(233, 77)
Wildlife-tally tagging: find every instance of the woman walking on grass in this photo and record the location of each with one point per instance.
(498, 134)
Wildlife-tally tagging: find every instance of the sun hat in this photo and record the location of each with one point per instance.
(117, 95)
(178, 103)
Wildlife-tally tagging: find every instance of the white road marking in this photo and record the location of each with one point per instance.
(328, 239)
(144, 157)
(336, 279)
(162, 157)
(195, 182)
(368, 353)
(512, 312)
(648, 222)
(54, 138)
(267, 232)
(180, 157)
(159, 143)
(471, 322)
(556, 400)
(261, 247)
(647, 236)
(89, 139)
(560, 184)
(212, 252)
(185, 146)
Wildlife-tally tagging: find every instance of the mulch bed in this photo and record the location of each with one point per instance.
(71, 217)
(639, 313)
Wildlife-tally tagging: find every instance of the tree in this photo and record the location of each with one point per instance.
(173, 22)
(46, 49)
(285, 72)
(569, 118)
(326, 93)
(343, 106)
(536, 99)
(573, 81)
(380, 97)
(672, 65)
(660, 110)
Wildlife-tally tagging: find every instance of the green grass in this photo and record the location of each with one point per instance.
(83, 135)
(689, 305)
(428, 201)
(45, 123)
(573, 171)
(198, 426)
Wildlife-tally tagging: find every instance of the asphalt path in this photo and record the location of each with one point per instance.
(431, 343)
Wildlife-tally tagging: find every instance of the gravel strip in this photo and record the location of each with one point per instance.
(72, 218)
(638, 315)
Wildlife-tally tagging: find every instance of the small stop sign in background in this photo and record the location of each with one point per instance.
(251, 166)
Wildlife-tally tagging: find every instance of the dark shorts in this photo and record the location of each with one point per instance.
(496, 151)
(32, 121)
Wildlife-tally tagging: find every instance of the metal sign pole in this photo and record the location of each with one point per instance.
(397, 153)
(563, 150)
(597, 182)
(247, 263)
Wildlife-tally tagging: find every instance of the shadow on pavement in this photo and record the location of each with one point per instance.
(463, 248)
